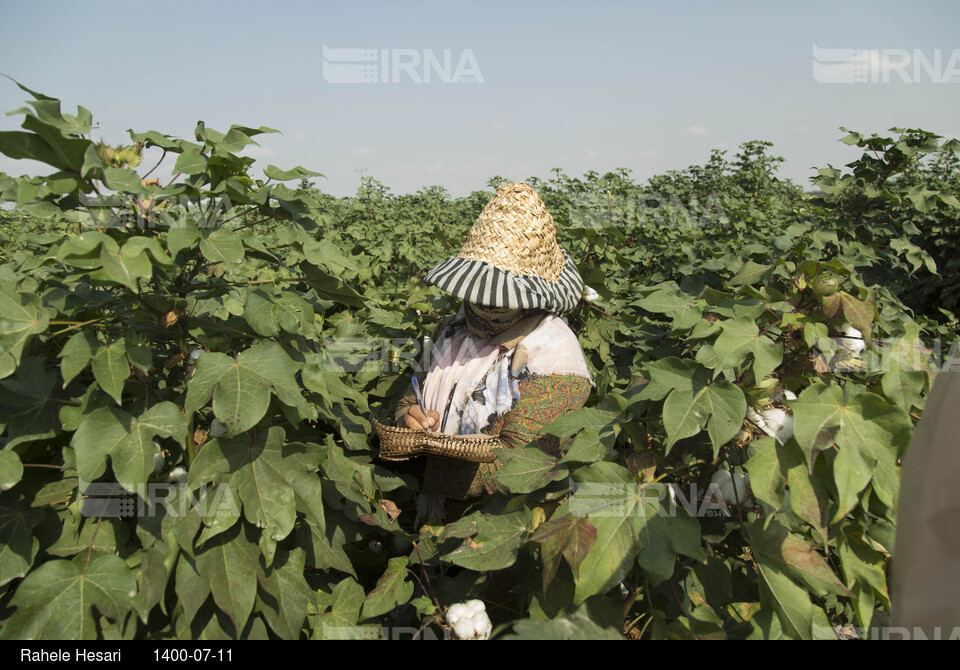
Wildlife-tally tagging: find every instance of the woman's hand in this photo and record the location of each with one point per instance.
(415, 419)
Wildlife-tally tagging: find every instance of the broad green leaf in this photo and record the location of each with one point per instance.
(740, 337)
(720, 407)
(18, 547)
(672, 373)
(29, 407)
(340, 623)
(606, 495)
(816, 415)
(77, 353)
(495, 541)
(288, 595)
(110, 368)
(902, 386)
(578, 419)
(192, 588)
(528, 469)
(241, 386)
(11, 469)
(392, 589)
(229, 563)
(664, 533)
(222, 246)
(56, 600)
(128, 441)
(766, 480)
(22, 316)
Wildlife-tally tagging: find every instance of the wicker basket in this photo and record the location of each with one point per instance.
(400, 444)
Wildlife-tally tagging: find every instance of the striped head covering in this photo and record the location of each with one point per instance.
(511, 258)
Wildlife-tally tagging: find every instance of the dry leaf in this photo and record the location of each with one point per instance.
(390, 508)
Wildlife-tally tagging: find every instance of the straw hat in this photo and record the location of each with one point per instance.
(511, 258)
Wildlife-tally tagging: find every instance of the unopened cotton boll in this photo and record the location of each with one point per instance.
(725, 481)
(469, 620)
(590, 294)
(217, 429)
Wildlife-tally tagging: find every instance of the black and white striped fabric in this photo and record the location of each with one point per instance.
(481, 283)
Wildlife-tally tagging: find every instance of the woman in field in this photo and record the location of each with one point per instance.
(506, 364)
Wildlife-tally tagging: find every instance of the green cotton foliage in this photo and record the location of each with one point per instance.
(189, 374)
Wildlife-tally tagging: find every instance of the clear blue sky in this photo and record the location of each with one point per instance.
(650, 86)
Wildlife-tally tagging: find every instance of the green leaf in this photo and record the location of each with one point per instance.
(77, 353)
(903, 386)
(229, 563)
(222, 246)
(128, 441)
(273, 172)
(664, 535)
(497, 539)
(740, 337)
(22, 316)
(122, 179)
(528, 469)
(11, 470)
(191, 161)
(56, 600)
(30, 410)
(766, 480)
(111, 369)
(241, 387)
(273, 478)
(720, 407)
(816, 415)
(392, 589)
(182, 237)
(18, 546)
(286, 611)
(672, 373)
(606, 495)
(750, 273)
(340, 623)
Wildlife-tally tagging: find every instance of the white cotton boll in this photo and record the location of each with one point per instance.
(196, 353)
(778, 424)
(469, 620)
(178, 476)
(217, 429)
(853, 340)
(590, 294)
(789, 395)
(723, 479)
(756, 418)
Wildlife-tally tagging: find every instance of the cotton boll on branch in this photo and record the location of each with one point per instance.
(725, 481)
(778, 424)
(469, 620)
(590, 294)
(853, 340)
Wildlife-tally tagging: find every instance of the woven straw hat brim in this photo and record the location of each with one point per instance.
(484, 284)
